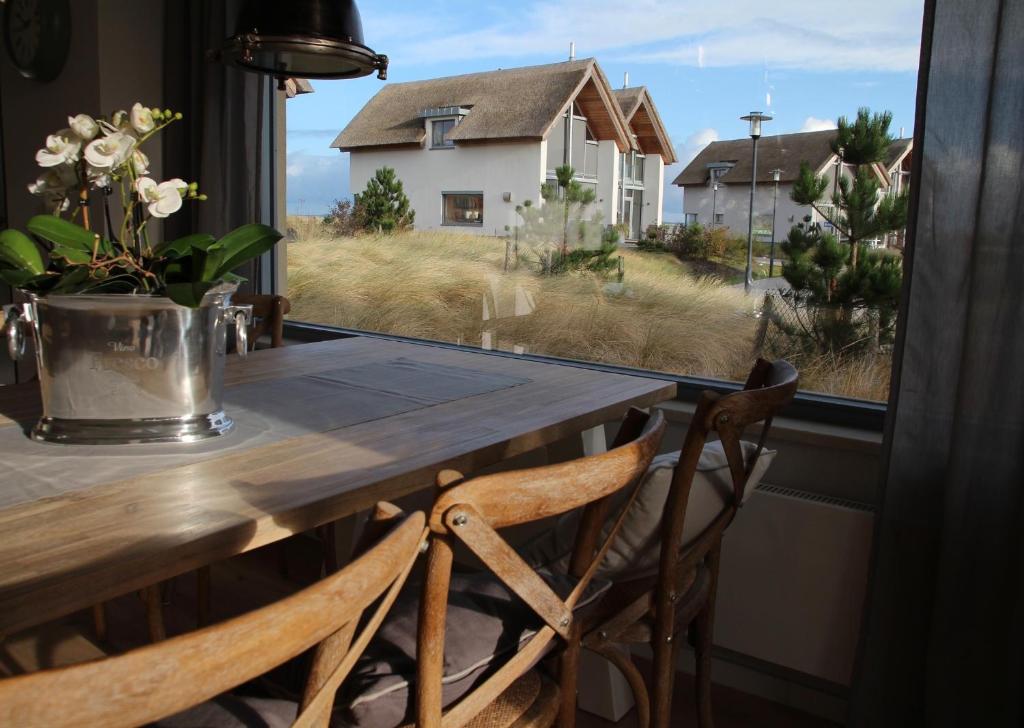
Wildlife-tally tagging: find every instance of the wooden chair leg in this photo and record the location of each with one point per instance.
(664, 676)
(99, 620)
(154, 612)
(568, 674)
(329, 546)
(704, 627)
(203, 596)
(621, 659)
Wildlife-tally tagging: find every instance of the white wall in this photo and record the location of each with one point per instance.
(608, 183)
(733, 201)
(492, 169)
(654, 191)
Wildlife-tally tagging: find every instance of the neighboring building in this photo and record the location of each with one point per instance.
(468, 149)
(728, 163)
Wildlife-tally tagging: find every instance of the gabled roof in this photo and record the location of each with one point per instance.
(896, 152)
(784, 151)
(504, 105)
(644, 121)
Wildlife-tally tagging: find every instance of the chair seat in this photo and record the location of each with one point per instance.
(230, 711)
(485, 623)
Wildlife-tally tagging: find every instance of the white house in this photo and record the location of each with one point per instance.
(469, 148)
(716, 183)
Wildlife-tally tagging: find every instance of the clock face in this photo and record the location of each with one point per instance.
(37, 34)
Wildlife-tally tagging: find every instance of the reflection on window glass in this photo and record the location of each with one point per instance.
(463, 209)
(618, 187)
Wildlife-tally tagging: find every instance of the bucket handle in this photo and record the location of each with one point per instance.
(14, 328)
(241, 316)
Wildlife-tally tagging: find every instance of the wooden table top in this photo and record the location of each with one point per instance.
(61, 553)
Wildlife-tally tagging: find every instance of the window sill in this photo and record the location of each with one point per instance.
(807, 407)
(463, 224)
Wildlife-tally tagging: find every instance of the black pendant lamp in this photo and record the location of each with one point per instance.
(302, 39)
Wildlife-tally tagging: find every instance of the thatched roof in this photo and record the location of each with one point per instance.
(504, 105)
(896, 151)
(644, 121)
(784, 151)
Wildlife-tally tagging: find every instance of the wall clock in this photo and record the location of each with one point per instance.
(37, 34)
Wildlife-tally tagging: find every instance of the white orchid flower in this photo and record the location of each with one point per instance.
(110, 152)
(142, 119)
(61, 148)
(99, 178)
(140, 161)
(163, 198)
(118, 123)
(84, 126)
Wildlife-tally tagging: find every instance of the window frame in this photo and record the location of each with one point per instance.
(445, 143)
(463, 193)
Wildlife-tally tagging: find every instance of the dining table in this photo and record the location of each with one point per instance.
(322, 432)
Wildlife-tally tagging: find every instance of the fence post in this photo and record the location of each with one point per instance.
(622, 269)
(767, 313)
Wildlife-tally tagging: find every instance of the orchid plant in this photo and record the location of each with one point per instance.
(66, 254)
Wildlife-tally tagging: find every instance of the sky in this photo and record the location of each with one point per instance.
(706, 64)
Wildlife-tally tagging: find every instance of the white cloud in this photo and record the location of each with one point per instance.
(315, 181)
(813, 123)
(695, 143)
(882, 35)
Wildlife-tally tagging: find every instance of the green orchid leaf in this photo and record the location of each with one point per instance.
(71, 255)
(233, 278)
(23, 279)
(243, 244)
(183, 246)
(73, 280)
(61, 232)
(19, 252)
(188, 294)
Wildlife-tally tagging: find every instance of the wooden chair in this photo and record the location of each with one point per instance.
(268, 314)
(184, 673)
(681, 596)
(469, 512)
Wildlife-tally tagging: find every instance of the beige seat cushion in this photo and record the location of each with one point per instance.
(636, 547)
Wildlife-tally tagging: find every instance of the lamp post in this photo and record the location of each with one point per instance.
(776, 173)
(714, 206)
(755, 118)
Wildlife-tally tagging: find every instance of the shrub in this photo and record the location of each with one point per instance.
(344, 218)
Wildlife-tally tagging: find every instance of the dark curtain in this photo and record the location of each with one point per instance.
(221, 143)
(944, 633)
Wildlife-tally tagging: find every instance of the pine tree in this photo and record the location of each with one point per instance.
(383, 203)
(857, 212)
(571, 194)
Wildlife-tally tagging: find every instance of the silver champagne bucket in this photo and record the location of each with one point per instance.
(128, 368)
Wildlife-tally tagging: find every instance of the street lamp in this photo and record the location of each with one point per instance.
(755, 118)
(776, 173)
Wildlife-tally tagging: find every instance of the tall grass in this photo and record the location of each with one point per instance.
(452, 287)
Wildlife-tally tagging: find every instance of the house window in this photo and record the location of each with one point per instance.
(690, 218)
(638, 167)
(463, 208)
(719, 218)
(439, 132)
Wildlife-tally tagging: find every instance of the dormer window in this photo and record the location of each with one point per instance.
(439, 129)
(440, 121)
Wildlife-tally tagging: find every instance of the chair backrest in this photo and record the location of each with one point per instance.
(268, 316)
(769, 387)
(469, 511)
(153, 682)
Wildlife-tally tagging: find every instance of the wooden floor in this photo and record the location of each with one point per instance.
(256, 578)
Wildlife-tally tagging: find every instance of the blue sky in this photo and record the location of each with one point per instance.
(706, 64)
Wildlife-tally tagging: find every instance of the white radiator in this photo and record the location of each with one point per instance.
(793, 579)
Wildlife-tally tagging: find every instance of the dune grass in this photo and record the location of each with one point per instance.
(452, 287)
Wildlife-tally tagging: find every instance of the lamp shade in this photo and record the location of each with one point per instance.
(302, 39)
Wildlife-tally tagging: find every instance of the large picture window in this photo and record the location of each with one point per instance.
(463, 208)
(640, 260)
